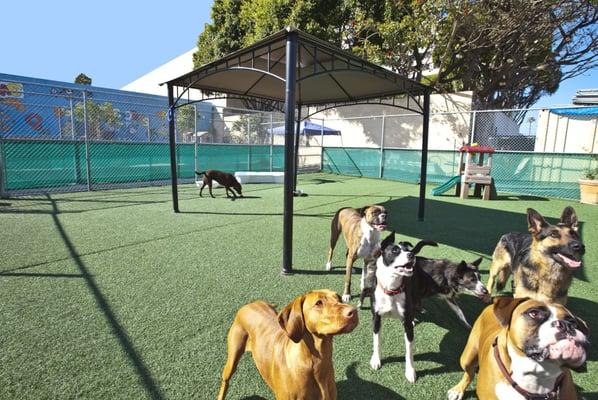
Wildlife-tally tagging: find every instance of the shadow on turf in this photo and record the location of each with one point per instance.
(355, 387)
(144, 374)
(460, 225)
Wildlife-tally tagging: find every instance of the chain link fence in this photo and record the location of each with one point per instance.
(70, 138)
(539, 152)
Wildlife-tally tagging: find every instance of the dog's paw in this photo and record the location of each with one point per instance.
(410, 375)
(375, 362)
(359, 304)
(328, 266)
(454, 394)
(346, 298)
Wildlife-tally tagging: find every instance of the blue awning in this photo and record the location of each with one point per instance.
(578, 111)
(308, 128)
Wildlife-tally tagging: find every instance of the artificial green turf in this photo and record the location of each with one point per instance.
(110, 295)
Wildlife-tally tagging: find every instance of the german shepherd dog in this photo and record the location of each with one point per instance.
(224, 178)
(542, 261)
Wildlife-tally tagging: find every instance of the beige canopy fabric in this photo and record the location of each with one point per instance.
(325, 75)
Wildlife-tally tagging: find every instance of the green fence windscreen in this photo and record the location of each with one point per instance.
(34, 164)
(527, 173)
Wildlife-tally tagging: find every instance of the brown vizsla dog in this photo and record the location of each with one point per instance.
(292, 350)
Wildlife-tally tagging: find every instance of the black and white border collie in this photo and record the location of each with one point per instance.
(393, 295)
(448, 279)
(404, 280)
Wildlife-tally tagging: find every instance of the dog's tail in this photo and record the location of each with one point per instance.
(335, 229)
(421, 244)
(200, 173)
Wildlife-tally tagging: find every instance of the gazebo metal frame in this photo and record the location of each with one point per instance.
(292, 71)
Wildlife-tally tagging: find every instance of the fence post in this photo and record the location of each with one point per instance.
(322, 145)
(381, 173)
(3, 191)
(87, 155)
(556, 133)
(594, 135)
(194, 119)
(248, 147)
(72, 118)
(546, 132)
(271, 139)
(473, 121)
(566, 134)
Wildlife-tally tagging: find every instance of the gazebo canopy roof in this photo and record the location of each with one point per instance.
(325, 75)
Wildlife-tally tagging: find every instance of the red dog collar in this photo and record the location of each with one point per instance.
(392, 292)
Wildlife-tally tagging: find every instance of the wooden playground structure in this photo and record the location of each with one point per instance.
(476, 170)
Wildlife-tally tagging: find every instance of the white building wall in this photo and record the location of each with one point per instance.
(150, 82)
(569, 134)
(449, 124)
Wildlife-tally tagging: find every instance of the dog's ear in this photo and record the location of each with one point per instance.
(362, 210)
(291, 319)
(477, 262)
(462, 265)
(535, 222)
(421, 244)
(582, 326)
(390, 239)
(568, 217)
(504, 307)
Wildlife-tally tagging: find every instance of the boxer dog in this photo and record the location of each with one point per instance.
(361, 230)
(523, 349)
(542, 261)
(223, 178)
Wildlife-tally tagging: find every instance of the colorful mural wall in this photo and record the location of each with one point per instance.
(45, 109)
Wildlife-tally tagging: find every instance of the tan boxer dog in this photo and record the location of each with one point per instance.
(361, 230)
(292, 350)
(524, 349)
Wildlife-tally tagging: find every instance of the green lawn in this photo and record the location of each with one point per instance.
(110, 295)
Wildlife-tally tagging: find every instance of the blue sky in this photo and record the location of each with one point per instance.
(115, 42)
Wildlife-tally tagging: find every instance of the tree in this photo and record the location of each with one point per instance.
(102, 119)
(83, 79)
(508, 52)
(238, 23)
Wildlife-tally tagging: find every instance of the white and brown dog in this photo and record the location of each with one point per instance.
(361, 230)
(524, 349)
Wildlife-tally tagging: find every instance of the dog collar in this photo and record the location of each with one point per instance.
(552, 395)
(392, 292)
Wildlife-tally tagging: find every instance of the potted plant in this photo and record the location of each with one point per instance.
(588, 185)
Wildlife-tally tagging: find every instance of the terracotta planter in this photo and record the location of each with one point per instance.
(588, 190)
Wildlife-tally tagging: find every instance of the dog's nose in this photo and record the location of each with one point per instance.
(564, 326)
(350, 312)
(558, 324)
(577, 247)
(484, 290)
(410, 256)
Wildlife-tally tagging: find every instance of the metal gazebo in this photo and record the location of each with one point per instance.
(294, 72)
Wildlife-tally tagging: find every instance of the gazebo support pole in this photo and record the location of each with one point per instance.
(289, 159)
(172, 143)
(424, 161)
(297, 133)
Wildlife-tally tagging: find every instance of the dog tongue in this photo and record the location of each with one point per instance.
(570, 262)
